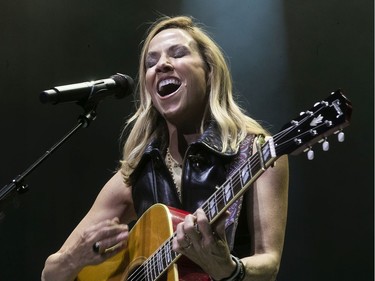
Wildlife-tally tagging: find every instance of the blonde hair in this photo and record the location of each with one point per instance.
(148, 124)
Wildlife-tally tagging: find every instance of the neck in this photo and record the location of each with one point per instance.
(179, 140)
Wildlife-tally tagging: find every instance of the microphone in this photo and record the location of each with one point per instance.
(119, 85)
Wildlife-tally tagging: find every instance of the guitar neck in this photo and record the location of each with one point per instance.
(240, 181)
(327, 117)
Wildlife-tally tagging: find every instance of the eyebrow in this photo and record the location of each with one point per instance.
(171, 48)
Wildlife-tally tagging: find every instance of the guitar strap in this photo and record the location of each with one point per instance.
(245, 151)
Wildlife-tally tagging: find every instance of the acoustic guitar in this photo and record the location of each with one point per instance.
(149, 255)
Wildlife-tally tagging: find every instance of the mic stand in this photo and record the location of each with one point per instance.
(18, 185)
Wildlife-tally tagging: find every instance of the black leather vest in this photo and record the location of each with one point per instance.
(204, 168)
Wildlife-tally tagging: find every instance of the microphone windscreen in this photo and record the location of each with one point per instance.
(125, 83)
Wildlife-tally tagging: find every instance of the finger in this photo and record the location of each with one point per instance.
(114, 249)
(191, 228)
(104, 254)
(110, 231)
(113, 243)
(107, 236)
(211, 235)
(219, 226)
(104, 225)
(181, 240)
(203, 225)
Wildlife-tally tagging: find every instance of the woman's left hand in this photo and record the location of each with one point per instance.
(204, 244)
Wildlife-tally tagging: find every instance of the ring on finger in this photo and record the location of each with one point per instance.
(96, 247)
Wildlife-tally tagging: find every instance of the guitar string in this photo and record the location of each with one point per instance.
(307, 117)
(237, 180)
(152, 270)
(138, 274)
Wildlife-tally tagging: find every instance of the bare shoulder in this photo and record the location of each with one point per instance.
(114, 200)
(268, 203)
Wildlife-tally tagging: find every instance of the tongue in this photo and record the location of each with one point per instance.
(168, 89)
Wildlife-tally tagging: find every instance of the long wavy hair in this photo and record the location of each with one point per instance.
(147, 124)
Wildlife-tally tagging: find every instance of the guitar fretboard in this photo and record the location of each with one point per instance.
(239, 181)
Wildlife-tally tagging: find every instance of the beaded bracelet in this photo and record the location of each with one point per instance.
(239, 272)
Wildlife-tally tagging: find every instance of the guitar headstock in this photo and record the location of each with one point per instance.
(327, 117)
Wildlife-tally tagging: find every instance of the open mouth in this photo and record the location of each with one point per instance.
(168, 86)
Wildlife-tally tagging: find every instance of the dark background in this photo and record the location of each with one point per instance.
(284, 55)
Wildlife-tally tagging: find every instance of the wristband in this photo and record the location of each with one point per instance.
(239, 272)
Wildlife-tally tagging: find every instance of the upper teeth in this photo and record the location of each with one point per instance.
(168, 81)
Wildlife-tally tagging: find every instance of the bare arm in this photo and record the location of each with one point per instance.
(267, 220)
(106, 223)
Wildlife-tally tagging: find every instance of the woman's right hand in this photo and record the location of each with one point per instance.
(98, 243)
(100, 226)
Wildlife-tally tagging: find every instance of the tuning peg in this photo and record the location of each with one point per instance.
(325, 145)
(341, 136)
(310, 154)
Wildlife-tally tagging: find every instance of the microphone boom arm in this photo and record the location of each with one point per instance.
(17, 185)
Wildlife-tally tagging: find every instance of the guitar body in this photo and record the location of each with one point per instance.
(155, 226)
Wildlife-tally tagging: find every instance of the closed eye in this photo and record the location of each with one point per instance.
(175, 51)
(150, 61)
(178, 51)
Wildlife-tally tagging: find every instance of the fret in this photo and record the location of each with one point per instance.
(162, 261)
(212, 207)
(172, 253)
(168, 255)
(256, 167)
(175, 255)
(159, 262)
(148, 271)
(154, 273)
(165, 257)
(266, 152)
(245, 174)
(228, 191)
(220, 199)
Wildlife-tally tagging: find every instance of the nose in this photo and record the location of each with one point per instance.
(164, 64)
